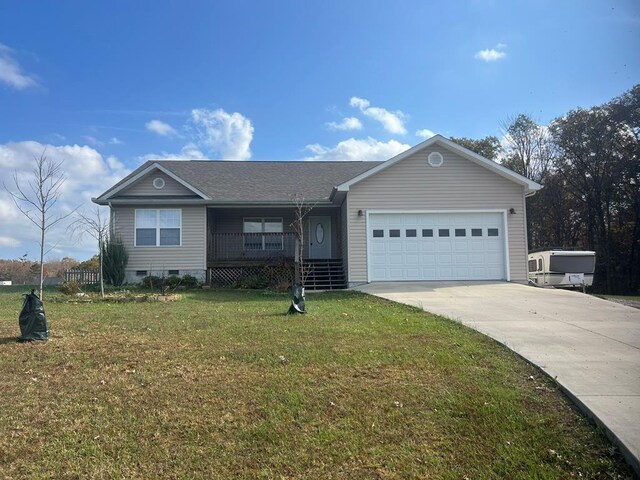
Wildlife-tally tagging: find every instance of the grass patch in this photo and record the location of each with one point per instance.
(223, 385)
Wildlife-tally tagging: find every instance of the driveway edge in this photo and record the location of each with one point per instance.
(629, 457)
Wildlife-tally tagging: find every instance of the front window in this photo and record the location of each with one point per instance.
(256, 233)
(158, 227)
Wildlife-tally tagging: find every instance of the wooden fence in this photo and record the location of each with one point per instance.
(82, 276)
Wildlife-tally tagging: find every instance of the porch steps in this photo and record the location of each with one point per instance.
(326, 274)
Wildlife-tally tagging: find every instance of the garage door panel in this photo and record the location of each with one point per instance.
(428, 259)
(394, 247)
(461, 258)
(377, 260)
(424, 251)
(395, 260)
(396, 273)
(444, 246)
(478, 258)
(444, 259)
(377, 247)
(427, 246)
(462, 273)
(412, 247)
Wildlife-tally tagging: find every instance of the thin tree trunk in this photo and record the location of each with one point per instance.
(101, 278)
(42, 256)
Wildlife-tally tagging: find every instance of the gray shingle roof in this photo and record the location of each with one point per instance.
(264, 181)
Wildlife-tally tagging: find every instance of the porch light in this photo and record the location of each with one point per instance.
(512, 211)
(360, 213)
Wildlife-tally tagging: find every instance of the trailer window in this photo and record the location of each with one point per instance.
(572, 264)
(532, 265)
(539, 264)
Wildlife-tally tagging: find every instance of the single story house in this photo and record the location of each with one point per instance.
(437, 211)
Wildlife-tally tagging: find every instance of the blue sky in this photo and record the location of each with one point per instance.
(105, 85)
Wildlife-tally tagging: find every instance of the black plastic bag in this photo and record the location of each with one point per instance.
(33, 321)
(297, 299)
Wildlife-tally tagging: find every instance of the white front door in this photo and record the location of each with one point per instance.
(320, 237)
(436, 246)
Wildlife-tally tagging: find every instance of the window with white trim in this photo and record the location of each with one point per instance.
(256, 233)
(158, 227)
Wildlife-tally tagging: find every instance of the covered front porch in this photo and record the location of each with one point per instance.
(243, 240)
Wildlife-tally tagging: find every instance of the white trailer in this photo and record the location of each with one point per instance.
(562, 268)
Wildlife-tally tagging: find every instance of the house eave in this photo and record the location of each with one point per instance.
(209, 203)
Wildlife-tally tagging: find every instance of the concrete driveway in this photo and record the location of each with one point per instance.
(591, 346)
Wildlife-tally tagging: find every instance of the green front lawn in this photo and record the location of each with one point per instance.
(223, 385)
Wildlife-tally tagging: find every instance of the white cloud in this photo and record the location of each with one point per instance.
(94, 141)
(492, 54)
(393, 122)
(348, 123)
(161, 128)
(11, 72)
(115, 141)
(9, 242)
(425, 133)
(189, 152)
(210, 134)
(228, 135)
(368, 149)
(88, 174)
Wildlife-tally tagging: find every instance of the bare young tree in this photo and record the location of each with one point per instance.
(301, 210)
(38, 196)
(95, 224)
(529, 150)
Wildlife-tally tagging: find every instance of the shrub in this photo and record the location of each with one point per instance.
(151, 281)
(173, 281)
(114, 261)
(189, 281)
(69, 288)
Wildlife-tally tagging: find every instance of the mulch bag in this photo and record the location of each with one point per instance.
(297, 299)
(33, 321)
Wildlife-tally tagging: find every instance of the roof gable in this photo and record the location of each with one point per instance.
(530, 185)
(131, 181)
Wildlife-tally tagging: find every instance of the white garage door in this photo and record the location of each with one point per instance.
(436, 246)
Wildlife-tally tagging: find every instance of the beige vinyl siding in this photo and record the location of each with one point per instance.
(188, 256)
(458, 184)
(144, 187)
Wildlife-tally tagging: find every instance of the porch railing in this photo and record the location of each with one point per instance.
(226, 247)
(82, 276)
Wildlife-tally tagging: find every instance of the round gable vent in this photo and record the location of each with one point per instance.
(158, 183)
(435, 159)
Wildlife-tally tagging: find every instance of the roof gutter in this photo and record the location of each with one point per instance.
(192, 201)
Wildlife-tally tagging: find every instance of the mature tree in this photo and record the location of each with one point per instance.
(57, 267)
(489, 147)
(96, 225)
(37, 197)
(18, 271)
(93, 262)
(529, 150)
(598, 161)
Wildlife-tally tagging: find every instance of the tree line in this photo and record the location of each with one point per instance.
(588, 162)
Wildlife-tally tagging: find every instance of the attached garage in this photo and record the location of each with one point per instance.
(436, 246)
